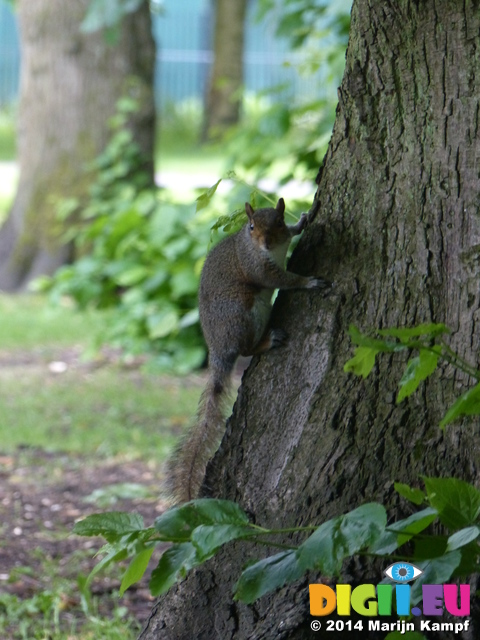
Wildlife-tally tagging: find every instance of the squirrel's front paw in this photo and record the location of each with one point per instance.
(302, 223)
(318, 283)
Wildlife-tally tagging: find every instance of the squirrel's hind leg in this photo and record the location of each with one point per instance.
(272, 339)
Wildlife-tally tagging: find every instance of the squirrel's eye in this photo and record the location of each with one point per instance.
(251, 226)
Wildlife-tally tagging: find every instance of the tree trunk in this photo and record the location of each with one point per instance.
(70, 84)
(223, 99)
(398, 232)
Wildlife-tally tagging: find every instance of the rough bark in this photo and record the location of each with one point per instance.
(223, 100)
(398, 232)
(70, 84)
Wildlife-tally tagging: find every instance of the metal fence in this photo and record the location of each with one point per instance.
(9, 56)
(183, 34)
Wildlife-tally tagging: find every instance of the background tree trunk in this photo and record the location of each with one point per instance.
(398, 232)
(222, 105)
(70, 84)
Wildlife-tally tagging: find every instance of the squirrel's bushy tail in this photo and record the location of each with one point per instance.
(186, 468)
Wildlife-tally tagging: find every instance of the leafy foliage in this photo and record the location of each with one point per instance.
(428, 340)
(282, 131)
(199, 529)
(138, 254)
(108, 15)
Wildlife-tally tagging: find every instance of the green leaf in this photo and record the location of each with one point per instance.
(412, 525)
(184, 282)
(163, 323)
(468, 404)
(342, 537)
(185, 359)
(416, 496)
(429, 546)
(189, 319)
(208, 539)
(436, 571)
(362, 340)
(462, 538)
(362, 362)
(113, 553)
(232, 222)
(400, 532)
(418, 369)
(457, 501)
(406, 333)
(178, 524)
(102, 14)
(132, 276)
(203, 200)
(325, 549)
(173, 565)
(267, 575)
(136, 569)
(111, 525)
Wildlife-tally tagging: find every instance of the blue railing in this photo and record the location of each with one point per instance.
(183, 34)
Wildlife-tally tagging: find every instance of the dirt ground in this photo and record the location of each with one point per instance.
(42, 495)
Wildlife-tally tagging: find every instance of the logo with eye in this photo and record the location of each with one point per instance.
(402, 572)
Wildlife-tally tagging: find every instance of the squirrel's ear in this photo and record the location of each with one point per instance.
(249, 210)
(280, 206)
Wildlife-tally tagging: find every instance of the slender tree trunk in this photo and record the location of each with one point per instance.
(70, 84)
(226, 78)
(398, 232)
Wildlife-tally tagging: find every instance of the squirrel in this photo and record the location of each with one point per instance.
(236, 286)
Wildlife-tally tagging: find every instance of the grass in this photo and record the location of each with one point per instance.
(72, 426)
(29, 322)
(103, 412)
(97, 407)
(47, 606)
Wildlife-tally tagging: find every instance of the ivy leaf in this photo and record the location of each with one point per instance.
(173, 565)
(325, 549)
(208, 539)
(409, 527)
(418, 369)
(462, 538)
(457, 501)
(178, 524)
(362, 340)
(136, 569)
(114, 553)
(432, 330)
(342, 537)
(416, 496)
(267, 575)
(362, 362)
(436, 571)
(467, 404)
(111, 525)
(203, 200)
(232, 222)
(400, 532)
(429, 546)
